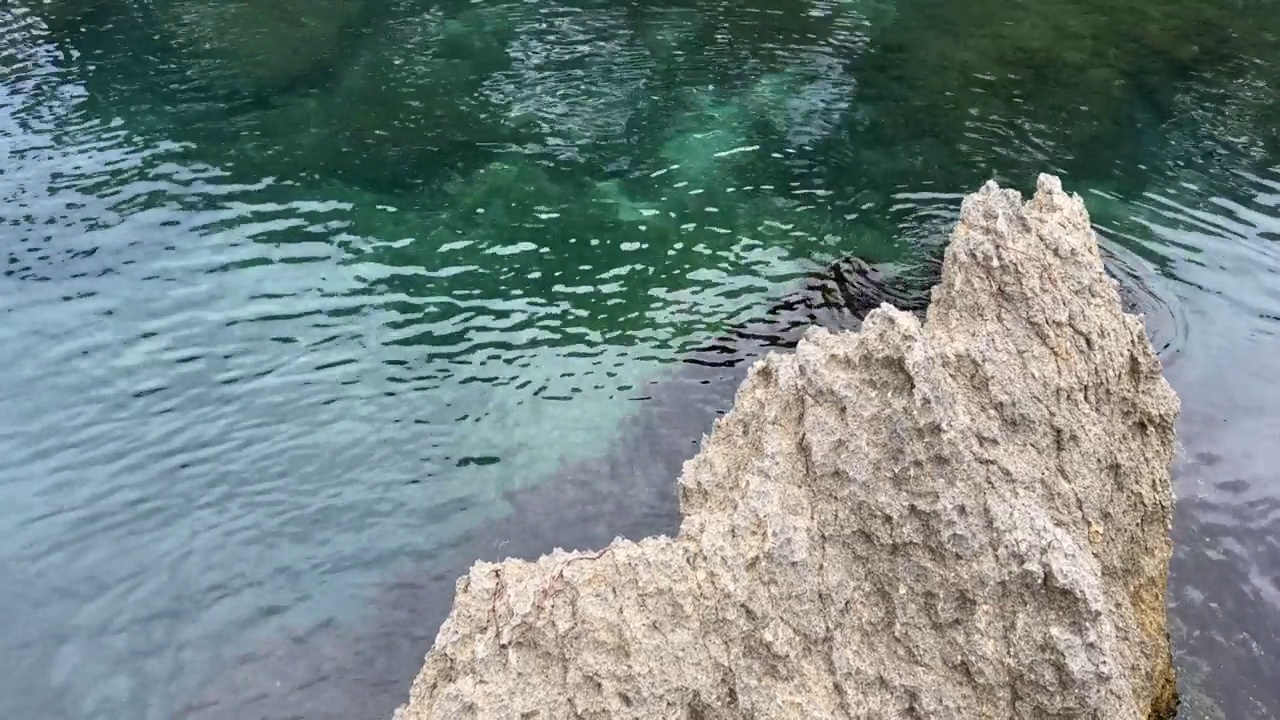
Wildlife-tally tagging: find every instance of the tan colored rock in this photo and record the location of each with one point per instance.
(962, 519)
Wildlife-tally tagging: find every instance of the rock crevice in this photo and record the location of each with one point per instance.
(962, 517)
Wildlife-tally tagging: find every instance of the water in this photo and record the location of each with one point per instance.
(308, 304)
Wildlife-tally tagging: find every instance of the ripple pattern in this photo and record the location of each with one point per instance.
(289, 339)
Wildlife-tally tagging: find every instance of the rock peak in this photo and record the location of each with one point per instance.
(965, 517)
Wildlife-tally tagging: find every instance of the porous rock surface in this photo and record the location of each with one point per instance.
(963, 518)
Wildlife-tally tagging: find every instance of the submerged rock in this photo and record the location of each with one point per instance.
(252, 46)
(967, 517)
(362, 668)
(60, 16)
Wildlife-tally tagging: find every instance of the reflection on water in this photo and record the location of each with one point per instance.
(306, 305)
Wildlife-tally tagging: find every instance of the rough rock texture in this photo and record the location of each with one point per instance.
(965, 518)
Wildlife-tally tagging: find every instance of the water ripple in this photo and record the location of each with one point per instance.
(272, 330)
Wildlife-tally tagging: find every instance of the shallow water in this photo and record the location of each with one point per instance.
(300, 318)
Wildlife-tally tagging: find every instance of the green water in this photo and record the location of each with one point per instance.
(293, 291)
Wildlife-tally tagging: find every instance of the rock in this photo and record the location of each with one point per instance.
(362, 668)
(413, 96)
(628, 490)
(966, 517)
(247, 47)
(61, 16)
(1162, 313)
(577, 77)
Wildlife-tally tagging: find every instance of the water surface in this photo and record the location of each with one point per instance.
(308, 304)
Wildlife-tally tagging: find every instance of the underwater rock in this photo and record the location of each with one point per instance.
(965, 517)
(1010, 87)
(61, 16)
(805, 103)
(413, 96)
(629, 490)
(575, 79)
(362, 667)
(250, 46)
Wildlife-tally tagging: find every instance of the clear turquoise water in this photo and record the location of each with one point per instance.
(294, 292)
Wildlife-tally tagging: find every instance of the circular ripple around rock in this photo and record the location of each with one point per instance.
(1142, 292)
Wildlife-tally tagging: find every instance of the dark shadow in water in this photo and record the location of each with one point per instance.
(364, 670)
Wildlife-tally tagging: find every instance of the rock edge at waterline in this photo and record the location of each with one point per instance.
(965, 518)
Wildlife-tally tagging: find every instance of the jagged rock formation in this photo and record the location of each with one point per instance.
(963, 518)
(627, 490)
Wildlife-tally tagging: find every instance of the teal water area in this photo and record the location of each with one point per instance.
(307, 304)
